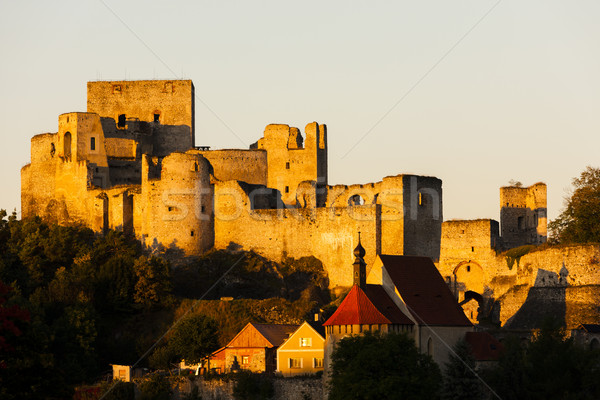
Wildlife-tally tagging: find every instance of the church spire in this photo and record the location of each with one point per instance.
(360, 267)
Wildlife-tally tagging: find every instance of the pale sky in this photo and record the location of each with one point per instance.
(474, 92)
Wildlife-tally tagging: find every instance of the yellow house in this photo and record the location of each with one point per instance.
(302, 352)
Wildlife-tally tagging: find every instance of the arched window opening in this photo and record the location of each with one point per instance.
(67, 145)
(430, 347)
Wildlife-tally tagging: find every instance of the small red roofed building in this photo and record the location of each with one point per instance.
(485, 348)
(406, 294)
(302, 353)
(255, 347)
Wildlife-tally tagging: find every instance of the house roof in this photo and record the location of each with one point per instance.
(484, 346)
(274, 333)
(424, 291)
(263, 335)
(367, 307)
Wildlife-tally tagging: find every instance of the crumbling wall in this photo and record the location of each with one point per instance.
(238, 165)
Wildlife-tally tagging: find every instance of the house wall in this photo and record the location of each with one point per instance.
(291, 348)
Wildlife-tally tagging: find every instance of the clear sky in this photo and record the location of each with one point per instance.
(473, 92)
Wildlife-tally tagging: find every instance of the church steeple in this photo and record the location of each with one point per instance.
(360, 267)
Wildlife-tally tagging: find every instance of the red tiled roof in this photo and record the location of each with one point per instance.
(358, 308)
(484, 346)
(386, 305)
(424, 291)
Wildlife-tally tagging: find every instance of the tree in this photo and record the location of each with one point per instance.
(153, 286)
(382, 366)
(460, 379)
(550, 367)
(194, 338)
(579, 222)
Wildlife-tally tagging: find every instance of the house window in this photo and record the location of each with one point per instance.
(92, 143)
(317, 363)
(245, 360)
(287, 165)
(121, 121)
(295, 363)
(122, 374)
(305, 342)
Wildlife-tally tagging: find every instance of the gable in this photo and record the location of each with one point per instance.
(304, 331)
(249, 337)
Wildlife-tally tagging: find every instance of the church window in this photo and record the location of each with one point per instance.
(430, 347)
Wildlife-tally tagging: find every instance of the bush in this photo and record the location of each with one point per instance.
(252, 386)
(156, 387)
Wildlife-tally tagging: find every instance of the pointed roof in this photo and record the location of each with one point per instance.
(360, 308)
(269, 335)
(424, 291)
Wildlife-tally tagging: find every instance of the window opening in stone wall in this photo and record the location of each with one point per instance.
(92, 143)
(287, 165)
(472, 249)
(67, 145)
(202, 209)
(287, 189)
(521, 222)
(170, 209)
(245, 360)
(468, 268)
(52, 149)
(356, 200)
(121, 121)
(192, 233)
(157, 118)
(195, 167)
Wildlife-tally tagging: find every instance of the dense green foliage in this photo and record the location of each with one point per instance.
(194, 338)
(252, 386)
(73, 301)
(461, 381)
(155, 387)
(550, 367)
(77, 288)
(579, 222)
(382, 366)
